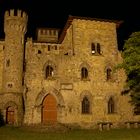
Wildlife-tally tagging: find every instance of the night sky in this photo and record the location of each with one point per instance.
(54, 13)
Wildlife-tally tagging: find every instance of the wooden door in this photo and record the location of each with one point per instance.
(49, 111)
(10, 115)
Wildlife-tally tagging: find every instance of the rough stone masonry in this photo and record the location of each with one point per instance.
(63, 76)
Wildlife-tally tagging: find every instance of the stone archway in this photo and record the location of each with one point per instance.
(87, 97)
(49, 109)
(10, 113)
(44, 98)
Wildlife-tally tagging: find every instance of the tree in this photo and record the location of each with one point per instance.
(131, 65)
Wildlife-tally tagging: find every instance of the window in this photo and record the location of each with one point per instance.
(39, 51)
(137, 110)
(8, 63)
(41, 31)
(108, 74)
(9, 85)
(55, 47)
(111, 106)
(49, 71)
(95, 48)
(84, 73)
(98, 48)
(85, 106)
(49, 47)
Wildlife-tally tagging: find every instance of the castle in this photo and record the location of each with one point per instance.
(63, 76)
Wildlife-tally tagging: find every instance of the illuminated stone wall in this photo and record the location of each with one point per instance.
(67, 58)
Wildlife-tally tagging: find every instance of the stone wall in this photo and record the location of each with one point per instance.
(1, 62)
(73, 54)
(31, 85)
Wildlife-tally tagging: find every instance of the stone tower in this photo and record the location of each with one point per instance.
(15, 24)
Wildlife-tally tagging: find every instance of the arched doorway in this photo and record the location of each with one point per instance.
(10, 115)
(49, 110)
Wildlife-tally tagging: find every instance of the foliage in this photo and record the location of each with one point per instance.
(131, 64)
(1, 119)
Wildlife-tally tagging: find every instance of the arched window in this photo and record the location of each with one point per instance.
(84, 73)
(49, 71)
(137, 109)
(8, 63)
(111, 106)
(108, 74)
(98, 48)
(93, 50)
(85, 106)
(10, 115)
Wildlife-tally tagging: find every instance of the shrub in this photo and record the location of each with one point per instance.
(1, 119)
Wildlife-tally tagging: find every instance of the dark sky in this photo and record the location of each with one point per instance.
(54, 13)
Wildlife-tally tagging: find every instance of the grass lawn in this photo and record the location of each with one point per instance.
(15, 133)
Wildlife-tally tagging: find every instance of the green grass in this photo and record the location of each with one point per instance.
(15, 133)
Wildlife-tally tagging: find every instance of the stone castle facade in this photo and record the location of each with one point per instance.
(63, 76)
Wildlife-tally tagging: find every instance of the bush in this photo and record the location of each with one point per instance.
(1, 119)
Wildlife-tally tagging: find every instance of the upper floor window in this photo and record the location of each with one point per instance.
(95, 48)
(98, 48)
(55, 47)
(39, 51)
(108, 74)
(84, 73)
(49, 71)
(85, 106)
(49, 47)
(8, 63)
(111, 106)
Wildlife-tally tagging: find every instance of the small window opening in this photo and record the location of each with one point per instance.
(98, 48)
(49, 71)
(39, 52)
(85, 106)
(84, 73)
(111, 106)
(93, 48)
(55, 47)
(49, 47)
(8, 63)
(10, 85)
(108, 74)
(137, 109)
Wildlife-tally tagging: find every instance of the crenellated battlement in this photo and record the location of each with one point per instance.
(15, 20)
(16, 14)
